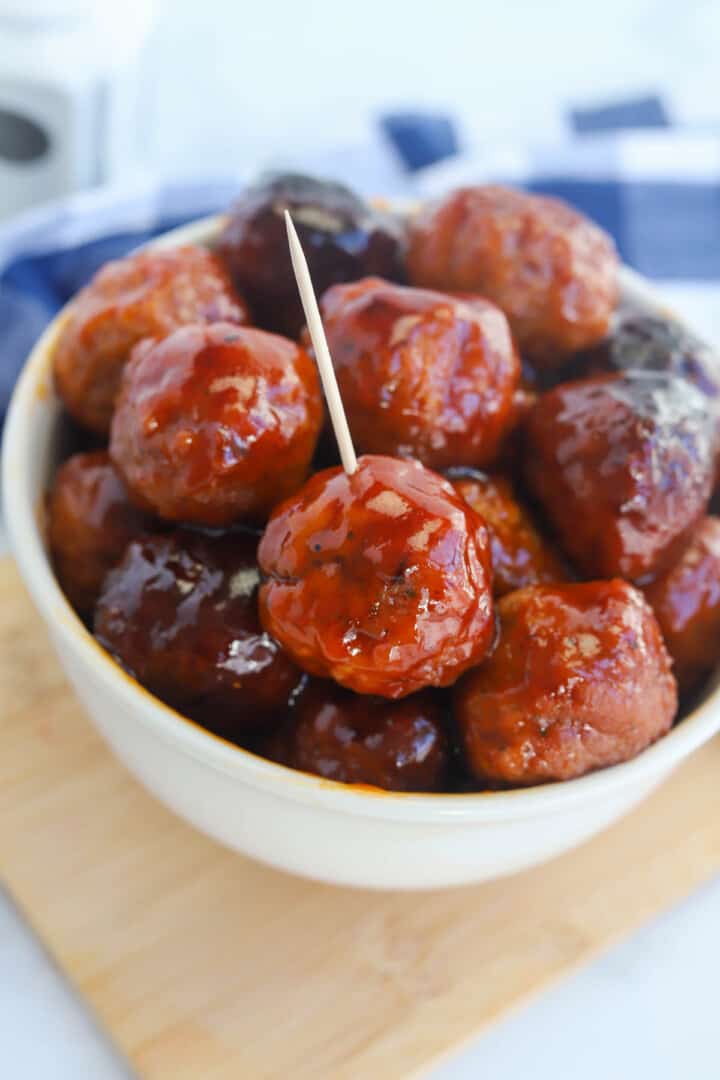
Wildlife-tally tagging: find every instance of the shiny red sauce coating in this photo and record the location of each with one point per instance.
(180, 614)
(216, 424)
(422, 374)
(551, 270)
(380, 580)
(144, 295)
(623, 466)
(686, 602)
(520, 555)
(90, 523)
(580, 679)
(395, 745)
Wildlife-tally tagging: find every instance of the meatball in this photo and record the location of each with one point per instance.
(342, 237)
(90, 523)
(144, 295)
(623, 467)
(380, 580)
(422, 374)
(686, 602)
(652, 343)
(520, 555)
(551, 270)
(580, 679)
(216, 423)
(396, 745)
(180, 614)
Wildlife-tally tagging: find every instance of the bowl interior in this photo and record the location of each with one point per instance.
(31, 448)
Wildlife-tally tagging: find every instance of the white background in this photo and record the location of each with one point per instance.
(231, 84)
(235, 81)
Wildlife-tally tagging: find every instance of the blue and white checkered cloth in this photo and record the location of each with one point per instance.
(655, 188)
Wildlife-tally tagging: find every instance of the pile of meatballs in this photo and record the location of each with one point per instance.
(522, 578)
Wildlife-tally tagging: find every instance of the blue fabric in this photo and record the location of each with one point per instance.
(657, 191)
(645, 112)
(421, 139)
(53, 277)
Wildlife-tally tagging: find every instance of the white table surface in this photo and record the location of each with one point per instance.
(648, 1008)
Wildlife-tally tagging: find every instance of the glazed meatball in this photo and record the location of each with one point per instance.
(623, 467)
(580, 679)
(90, 523)
(551, 270)
(180, 614)
(422, 374)
(215, 424)
(520, 555)
(686, 602)
(396, 745)
(652, 343)
(379, 580)
(343, 239)
(144, 295)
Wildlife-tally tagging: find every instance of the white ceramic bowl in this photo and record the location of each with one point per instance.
(297, 822)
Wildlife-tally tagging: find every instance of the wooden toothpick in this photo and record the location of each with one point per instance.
(322, 352)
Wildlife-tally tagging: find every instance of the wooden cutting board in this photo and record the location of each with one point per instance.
(202, 964)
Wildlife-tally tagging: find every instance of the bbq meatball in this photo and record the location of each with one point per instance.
(520, 555)
(216, 423)
(342, 237)
(180, 614)
(90, 523)
(652, 343)
(551, 270)
(686, 602)
(623, 467)
(580, 679)
(396, 745)
(143, 295)
(380, 580)
(422, 374)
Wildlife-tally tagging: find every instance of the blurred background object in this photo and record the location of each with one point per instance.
(220, 87)
(237, 86)
(71, 109)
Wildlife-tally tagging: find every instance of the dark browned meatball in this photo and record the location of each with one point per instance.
(686, 602)
(422, 374)
(652, 343)
(180, 614)
(399, 746)
(580, 679)
(623, 466)
(216, 424)
(144, 295)
(342, 237)
(90, 523)
(551, 270)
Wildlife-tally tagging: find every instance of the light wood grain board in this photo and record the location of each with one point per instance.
(205, 965)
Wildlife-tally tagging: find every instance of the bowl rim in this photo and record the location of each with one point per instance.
(27, 545)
